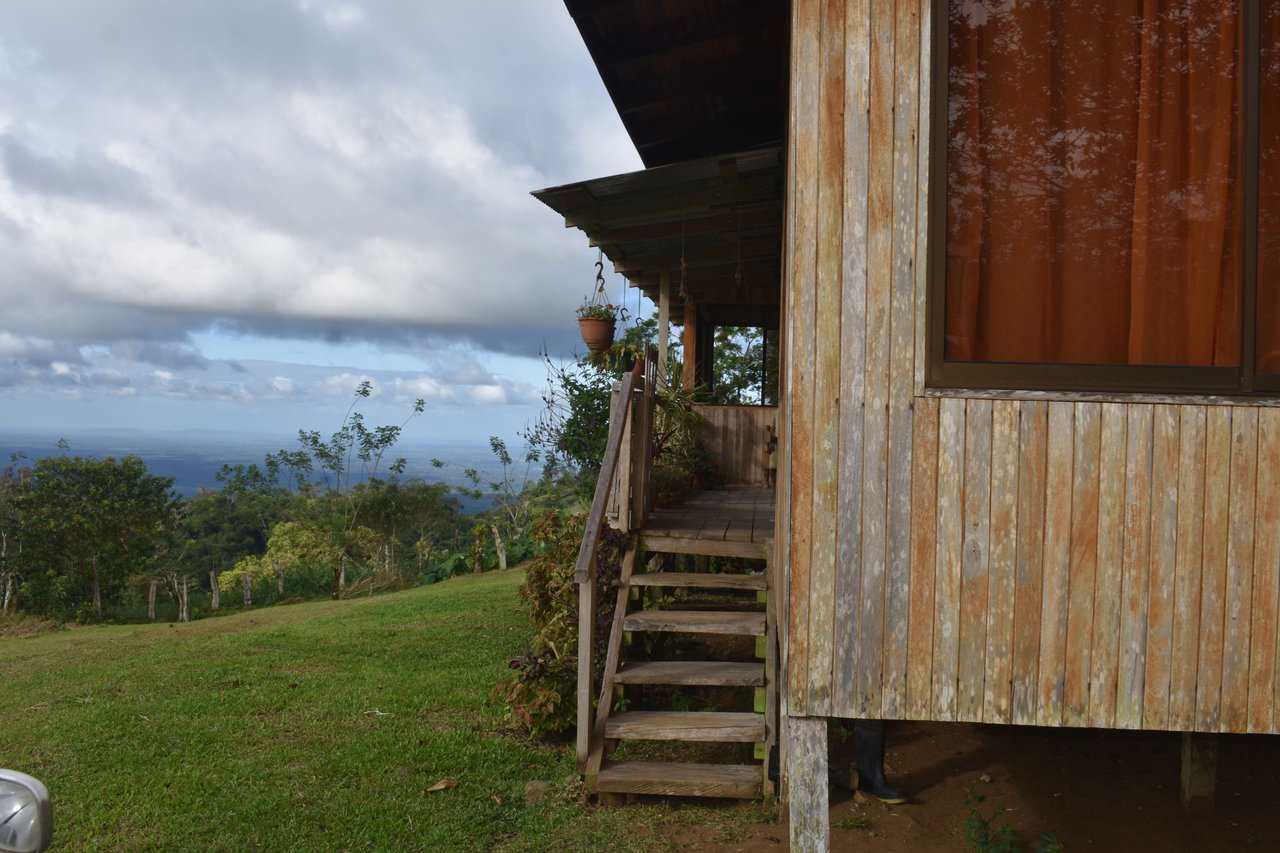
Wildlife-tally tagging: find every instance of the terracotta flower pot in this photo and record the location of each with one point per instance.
(597, 334)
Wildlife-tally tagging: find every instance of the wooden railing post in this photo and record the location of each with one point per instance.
(586, 664)
(584, 574)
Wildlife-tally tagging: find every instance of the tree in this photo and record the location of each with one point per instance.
(744, 369)
(87, 524)
(220, 528)
(330, 470)
(10, 541)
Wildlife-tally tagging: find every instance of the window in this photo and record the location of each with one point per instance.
(1111, 217)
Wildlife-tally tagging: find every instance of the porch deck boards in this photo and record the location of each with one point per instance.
(733, 514)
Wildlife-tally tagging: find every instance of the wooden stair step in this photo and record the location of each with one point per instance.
(690, 542)
(697, 621)
(674, 779)
(706, 580)
(716, 726)
(692, 672)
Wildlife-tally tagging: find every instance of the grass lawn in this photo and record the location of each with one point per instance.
(315, 726)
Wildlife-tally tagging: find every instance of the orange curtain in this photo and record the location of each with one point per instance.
(1094, 182)
(1268, 324)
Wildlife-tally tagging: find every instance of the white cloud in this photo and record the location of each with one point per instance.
(331, 170)
(493, 395)
(422, 387)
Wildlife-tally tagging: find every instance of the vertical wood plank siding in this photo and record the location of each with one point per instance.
(1062, 563)
(734, 437)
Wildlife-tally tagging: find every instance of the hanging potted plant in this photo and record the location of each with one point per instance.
(597, 323)
(597, 316)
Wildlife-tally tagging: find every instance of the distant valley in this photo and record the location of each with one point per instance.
(193, 457)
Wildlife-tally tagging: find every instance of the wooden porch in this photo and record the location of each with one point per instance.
(700, 570)
(736, 521)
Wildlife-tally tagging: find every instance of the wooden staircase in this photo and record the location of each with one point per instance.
(715, 612)
(720, 612)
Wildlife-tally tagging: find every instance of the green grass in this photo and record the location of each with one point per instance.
(308, 727)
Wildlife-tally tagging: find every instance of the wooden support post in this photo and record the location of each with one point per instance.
(664, 324)
(770, 673)
(691, 354)
(586, 645)
(706, 352)
(805, 784)
(1199, 771)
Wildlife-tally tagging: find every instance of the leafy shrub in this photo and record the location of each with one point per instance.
(539, 695)
(985, 835)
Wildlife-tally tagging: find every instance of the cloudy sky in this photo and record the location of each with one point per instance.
(226, 213)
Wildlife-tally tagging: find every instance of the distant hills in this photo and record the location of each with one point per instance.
(193, 457)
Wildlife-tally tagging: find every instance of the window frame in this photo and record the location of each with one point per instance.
(940, 373)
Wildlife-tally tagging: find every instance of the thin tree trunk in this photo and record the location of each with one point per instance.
(97, 588)
(184, 607)
(5, 589)
(151, 599)
(213, 589)
(248, 589)
(279, 582)
(501, 549)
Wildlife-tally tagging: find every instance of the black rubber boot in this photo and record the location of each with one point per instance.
(868, 748)
(842, 776)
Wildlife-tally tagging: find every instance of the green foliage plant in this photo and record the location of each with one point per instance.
(87, 525)
(982, 831)
(539, 694)
(601, 311)
(985, 834)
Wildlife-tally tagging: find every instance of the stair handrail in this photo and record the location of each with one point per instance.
(618, 414)
(584, 574)
(621, 413)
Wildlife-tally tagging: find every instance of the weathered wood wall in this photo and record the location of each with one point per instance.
(736, 439)
(988, 557)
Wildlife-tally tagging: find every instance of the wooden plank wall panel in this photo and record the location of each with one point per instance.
(1136, 567)
(997, 697)
(1239, 583)
(1163, 573)
(1217, 524)
(802, 252)
(1057, 564)
(826, 424)
(1033, 450)
(875, 419)
(901, 356)
(735, 438)
(1031, 561)
(948, 556)
(975, 561)
(853, 311)
(924, 503)
(1185, 643)
(1105, 639)
(1083, 562)
(1266, 559)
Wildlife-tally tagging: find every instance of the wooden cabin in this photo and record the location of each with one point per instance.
(1024, 263)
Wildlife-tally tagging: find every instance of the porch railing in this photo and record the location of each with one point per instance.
(623, 497)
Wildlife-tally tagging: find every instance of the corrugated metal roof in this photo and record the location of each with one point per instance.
(714, 223)
(691, 78)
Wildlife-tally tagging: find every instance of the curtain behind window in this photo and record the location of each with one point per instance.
(1268, 322)
(1095, 182)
